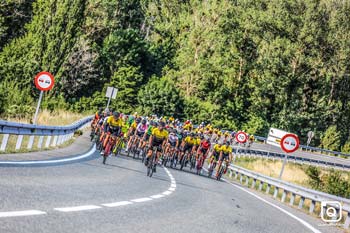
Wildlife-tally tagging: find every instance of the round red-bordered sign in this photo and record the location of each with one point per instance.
(289, 143)
(44, 81)
(241, 137)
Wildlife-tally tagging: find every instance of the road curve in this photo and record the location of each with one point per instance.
(74, 198)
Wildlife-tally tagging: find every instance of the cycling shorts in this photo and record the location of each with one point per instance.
(187, 147)
(224, 156)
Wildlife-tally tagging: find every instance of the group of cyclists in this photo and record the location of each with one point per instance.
(165, 140)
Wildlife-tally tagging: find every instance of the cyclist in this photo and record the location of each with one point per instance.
(215, 155)
(203, 150)
(113, 127)
(157, 139)
(131, 131)
(139, 132)
(225, 155)
(172, 142)
(188, 145)
(147, 135)
(251, 140)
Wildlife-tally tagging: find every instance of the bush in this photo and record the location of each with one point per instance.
(314, 175)
(331, 139)
(335, 184)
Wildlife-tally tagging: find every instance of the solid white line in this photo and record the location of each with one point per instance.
(173, 185)
(115, 204)
(142, 199)
(171, 189)
(21, 213)
(157, 196)
(277, 207)
(50, 161)
(78, 208)
(166, 193)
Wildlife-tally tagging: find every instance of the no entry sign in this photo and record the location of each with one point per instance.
(241, 137)
(290, 143)
(44, 81)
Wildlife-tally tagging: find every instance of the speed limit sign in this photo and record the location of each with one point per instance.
(241, 137)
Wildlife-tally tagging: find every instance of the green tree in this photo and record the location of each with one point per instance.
(159, 96)
(331, 139)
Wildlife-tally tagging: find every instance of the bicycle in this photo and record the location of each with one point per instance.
(222, 170)
(212, 166)
(199, 163)
(193, 160)
(109, 147)
(152, 162)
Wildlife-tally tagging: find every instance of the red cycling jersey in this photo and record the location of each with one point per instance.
(205, 144)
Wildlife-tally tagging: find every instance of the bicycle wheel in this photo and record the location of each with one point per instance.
(183, 161)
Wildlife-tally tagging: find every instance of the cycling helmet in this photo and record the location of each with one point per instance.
(144, 121)
(192, 134)
(227, 143)
(137, 120)
(162, 124)
(116, 114)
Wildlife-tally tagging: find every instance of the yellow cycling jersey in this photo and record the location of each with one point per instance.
(226, 149)
(190, 141)
(198, 142)
(217, 148)
(134, 125)
(115, 123)
(158, 135)
(187, 127)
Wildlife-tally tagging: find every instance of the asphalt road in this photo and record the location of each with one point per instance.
(87, 196)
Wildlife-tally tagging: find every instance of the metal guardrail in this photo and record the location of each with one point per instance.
(55, 135)
(310, 148)
(268, 154)
(258, 181)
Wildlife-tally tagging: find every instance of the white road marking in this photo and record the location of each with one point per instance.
(142, 199)
(119, 203)
(277, 207)
(173, 185)
(166, 193)
(21, 213)
(93, 149)
(171, 189)
(78, 208)
(157, 196)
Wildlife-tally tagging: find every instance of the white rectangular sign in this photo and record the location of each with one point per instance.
(111, 92)
(274, 137)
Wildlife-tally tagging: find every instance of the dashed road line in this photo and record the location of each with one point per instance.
(78, 208)
(169, 191)
(119, 203)
(21, 213)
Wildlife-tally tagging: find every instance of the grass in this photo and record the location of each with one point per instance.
(59, 118)
(294, 173)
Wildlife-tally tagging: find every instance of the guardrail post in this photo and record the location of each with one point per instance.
(4, 142)
(230, 173)
(347, 221)
(19, 142)
(291, 202)
(30, 142)
(268, 188)
(54, 142)
(40, 142)
(261, 185)
(59, 141)
(301, 202)
(275, 192)
(236, 175)
(312, 206)
(48, 140)
(241, 179)
(284, 195)
(253, 183)
(247, 180)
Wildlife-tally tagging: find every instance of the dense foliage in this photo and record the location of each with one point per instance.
(237, 63)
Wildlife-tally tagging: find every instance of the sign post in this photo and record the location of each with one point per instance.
(44, 81)
(111, 93)
(310, 135)
(289, 144)
(241, 137)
